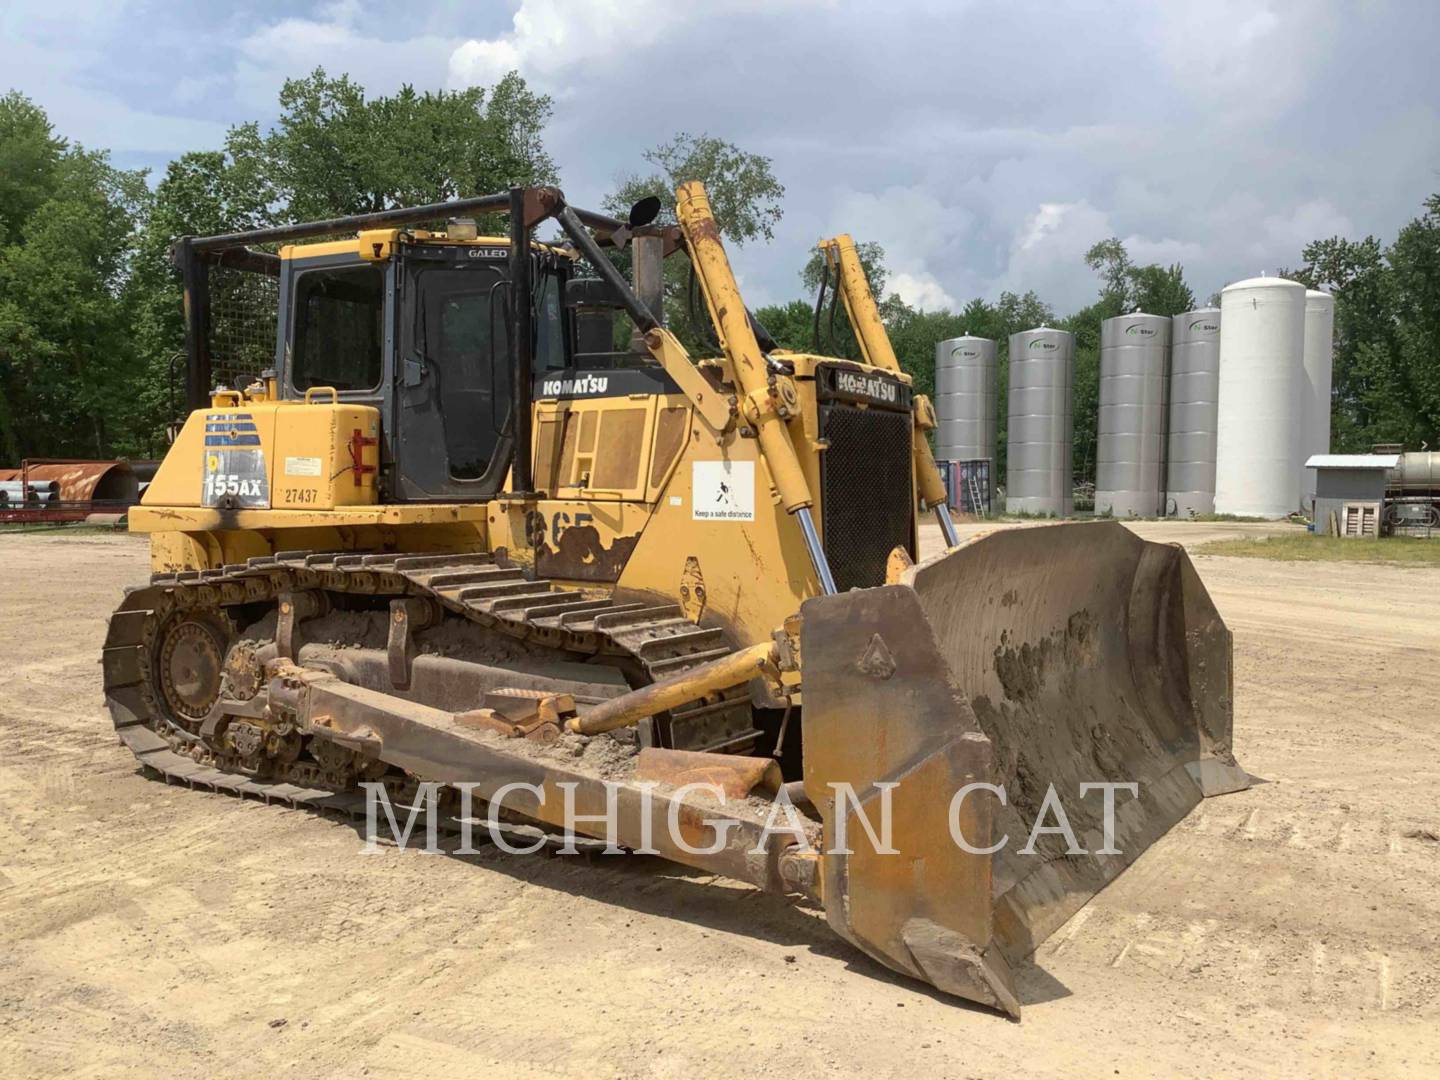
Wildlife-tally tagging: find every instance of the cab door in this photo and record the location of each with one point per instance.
(453, 382)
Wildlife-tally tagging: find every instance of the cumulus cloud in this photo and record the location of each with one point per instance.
(1294, 227)
(986, 145)
(920, 291)
(1165, 250)
(65, 61)
(342, 39)
(923, 237)
(1245, 59)
(547, 37)
(1048, 252)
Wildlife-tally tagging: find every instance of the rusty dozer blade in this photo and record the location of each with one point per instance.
(1033, 658)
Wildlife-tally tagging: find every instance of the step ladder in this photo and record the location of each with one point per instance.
(977, 505)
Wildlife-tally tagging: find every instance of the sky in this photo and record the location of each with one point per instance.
(985, 145)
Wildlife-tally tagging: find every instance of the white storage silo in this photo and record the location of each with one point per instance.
(1319, 358)
(1261, 406)
(1130, 423)
(1194, 397)
(1038, 462)
(965, 370)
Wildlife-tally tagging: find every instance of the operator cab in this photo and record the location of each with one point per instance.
(415, 324)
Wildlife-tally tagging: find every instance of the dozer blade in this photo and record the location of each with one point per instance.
(1033, 659)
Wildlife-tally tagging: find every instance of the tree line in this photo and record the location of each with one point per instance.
(90, 308)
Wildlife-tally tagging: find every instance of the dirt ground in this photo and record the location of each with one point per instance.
(1292, 929)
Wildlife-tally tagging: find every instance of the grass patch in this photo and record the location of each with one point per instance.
(1222, 517)
(1087, 513)
(1307, 547)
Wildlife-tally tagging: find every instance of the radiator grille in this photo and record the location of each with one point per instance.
(867, 493)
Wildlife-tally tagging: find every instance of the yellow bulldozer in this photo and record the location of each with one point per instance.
(462, 550)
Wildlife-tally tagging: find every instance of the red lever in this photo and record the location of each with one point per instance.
(358, 442)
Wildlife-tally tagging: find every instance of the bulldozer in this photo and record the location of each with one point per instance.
(463, 549)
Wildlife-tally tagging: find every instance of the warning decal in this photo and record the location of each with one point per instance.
(723, 491)
(302, 466)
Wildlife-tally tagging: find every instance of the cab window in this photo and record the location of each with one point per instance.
(549, 322)
(338, 328)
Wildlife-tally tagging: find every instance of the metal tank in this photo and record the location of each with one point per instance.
(1261, 406)
(1415, 471)
(1194, 397)
(965, 370)
(1318, 361)
(1038, 453)
(1130, 422)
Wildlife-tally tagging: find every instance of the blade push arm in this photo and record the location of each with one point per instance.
(761, 396)
(875, 348)
(757, 385)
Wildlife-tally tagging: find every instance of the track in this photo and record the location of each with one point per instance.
(657, 640)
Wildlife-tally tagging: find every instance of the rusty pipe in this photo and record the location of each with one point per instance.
(627, 709)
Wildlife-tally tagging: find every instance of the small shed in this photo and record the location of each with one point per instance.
(1350, 492)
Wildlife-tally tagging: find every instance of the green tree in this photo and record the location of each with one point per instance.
(1386, 379)
(29, 156)
(1112, 262)
(67, 353)
(334, 152)
(1126, 287)
(744, 197)
(203, 192)
(1366, 361)
(1161, 290)
(1370, 401)
(90, 310)
(791, 325)
(744, 193)
(1085, 381)
(1415, 271)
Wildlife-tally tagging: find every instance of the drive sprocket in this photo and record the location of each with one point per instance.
(189, 663)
